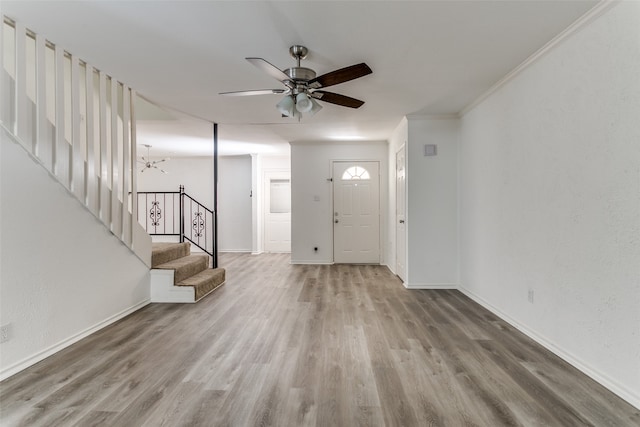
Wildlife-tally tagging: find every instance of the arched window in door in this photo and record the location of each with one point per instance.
(355, 172)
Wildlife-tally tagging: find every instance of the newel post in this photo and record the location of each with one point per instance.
(181, 213)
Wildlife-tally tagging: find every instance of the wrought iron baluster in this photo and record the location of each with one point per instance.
(198, 224)
(193, 221)
(155, 213)
(181, 213)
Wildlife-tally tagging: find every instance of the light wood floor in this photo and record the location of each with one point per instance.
(283, 345)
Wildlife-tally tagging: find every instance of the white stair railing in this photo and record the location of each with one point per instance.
(78, 122)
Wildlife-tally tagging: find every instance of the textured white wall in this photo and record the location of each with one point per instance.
(62, 273)
(311, 220)
(432, 204)
(195, 173)
(550, 199)
(276, 163)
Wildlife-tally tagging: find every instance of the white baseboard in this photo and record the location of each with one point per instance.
(243, 251)
(390, 269)
(32, 360)
(430, 285)
(623, 392)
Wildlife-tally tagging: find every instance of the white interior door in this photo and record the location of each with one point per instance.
(356, 217)
(401, 236)
(277, 208)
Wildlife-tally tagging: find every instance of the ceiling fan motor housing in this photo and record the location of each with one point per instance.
(300, 74)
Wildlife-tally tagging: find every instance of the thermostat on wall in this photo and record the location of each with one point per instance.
(430, 150)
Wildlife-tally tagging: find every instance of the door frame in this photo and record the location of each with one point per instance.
(401, 274)
(332, 181)
(267, 175)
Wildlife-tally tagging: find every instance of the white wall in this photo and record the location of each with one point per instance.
(550, 200)
(62, 273)
(195, 173)
(432, 203)
(275, 163)
(234, 204)
(311, 219)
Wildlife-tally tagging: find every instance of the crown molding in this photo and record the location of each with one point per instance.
(594, 13)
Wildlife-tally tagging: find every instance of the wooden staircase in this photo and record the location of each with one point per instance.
(179, 276)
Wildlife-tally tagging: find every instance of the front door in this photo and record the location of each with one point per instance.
(356, 212)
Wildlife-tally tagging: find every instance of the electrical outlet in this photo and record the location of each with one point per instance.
(4, 333)
(530, 296)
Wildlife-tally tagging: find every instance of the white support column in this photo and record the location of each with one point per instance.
(134, 171)
(127, 165)
(60, 154)
(44, 138)
(21, 87)
(3, 90)
(77, 158)
(92, 191)
(105, 195)
(114, 177)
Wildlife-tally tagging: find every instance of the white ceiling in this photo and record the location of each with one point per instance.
(428, 57)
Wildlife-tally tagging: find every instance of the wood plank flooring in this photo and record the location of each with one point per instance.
(292, 345)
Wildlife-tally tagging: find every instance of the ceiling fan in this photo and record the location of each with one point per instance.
(303, 88)
(151, 164)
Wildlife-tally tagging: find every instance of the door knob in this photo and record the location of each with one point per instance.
(402, 221)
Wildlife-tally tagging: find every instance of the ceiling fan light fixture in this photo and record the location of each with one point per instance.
(315, 107)
(303, 103)
(286, 106)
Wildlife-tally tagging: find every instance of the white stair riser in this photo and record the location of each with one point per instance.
(163, 289)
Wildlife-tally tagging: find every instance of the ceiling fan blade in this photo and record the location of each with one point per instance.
(340, 76)
(254, 92)
(336, 98)
(270, 69)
